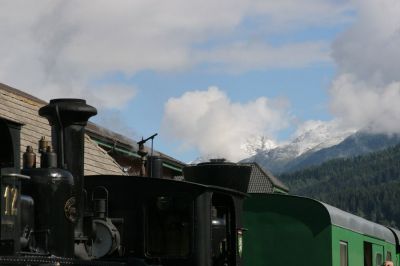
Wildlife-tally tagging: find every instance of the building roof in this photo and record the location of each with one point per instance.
(25, 95)
(23, 108)
(263, 181)
(123, 144)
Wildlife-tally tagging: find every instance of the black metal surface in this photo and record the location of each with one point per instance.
(48, 158)
(27, 220)
(53, 261)
(68, 118)
(52, 191)
(203, 233)
(129, 199)
(132, 197)
(222, 174)
(155, 167)
(10, 146)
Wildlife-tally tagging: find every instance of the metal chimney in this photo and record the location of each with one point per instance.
(68, 118)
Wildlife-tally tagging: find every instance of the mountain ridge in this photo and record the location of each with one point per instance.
(287, 158)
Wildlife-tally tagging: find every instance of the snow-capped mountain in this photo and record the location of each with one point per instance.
(311, 136)
(314, 136)
(257, 144)
(314, 143)
(305, 151)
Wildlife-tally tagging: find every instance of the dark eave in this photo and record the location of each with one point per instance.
(117, 142)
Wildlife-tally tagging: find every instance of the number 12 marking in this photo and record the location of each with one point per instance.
(10, 196)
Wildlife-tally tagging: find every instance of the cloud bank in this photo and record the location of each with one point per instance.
(209, 121)
(366, 92)
(55, 48)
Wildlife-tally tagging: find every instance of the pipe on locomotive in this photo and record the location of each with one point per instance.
(68, 118)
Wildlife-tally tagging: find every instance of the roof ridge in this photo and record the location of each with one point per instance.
(21, 93)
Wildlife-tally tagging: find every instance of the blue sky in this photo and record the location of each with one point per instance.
(209, 76)
(305, 88)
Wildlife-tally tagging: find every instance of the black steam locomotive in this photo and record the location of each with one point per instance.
(54, 215)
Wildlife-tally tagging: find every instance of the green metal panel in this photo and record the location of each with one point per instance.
(355, 246)
(357, 224)
(279, 190)
(172, 167)
(288, 230)
(281, 233)
(377, 255)
(354, 242)
(102, 143)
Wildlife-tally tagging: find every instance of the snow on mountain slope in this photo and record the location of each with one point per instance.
(315, 135)
(257, 144)
(310, 137)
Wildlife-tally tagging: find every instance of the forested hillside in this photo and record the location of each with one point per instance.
(368, 185)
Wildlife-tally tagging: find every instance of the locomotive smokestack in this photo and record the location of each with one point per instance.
(68, 118)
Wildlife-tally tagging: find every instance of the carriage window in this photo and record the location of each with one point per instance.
(344, 259)
(388, 256)
(169, 226)
(379, 260)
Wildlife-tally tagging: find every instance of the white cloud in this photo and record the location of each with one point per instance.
(209, 121)
(113, 119)
(109, 96)
(362, 105)
(366, 92)
(284, 15)
(52, 45)
(370, 48)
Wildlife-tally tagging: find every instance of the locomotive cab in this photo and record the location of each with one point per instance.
(222, 229)
(168, 222)
(230, 182)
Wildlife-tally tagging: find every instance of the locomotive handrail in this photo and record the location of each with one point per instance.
(15, 175)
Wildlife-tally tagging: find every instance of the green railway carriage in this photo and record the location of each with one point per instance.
(291, 230)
